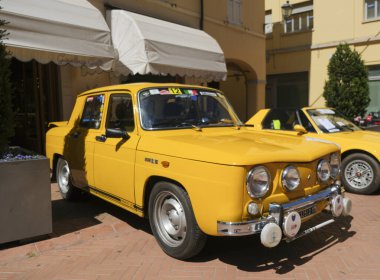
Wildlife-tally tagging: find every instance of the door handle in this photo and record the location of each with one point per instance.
(101, 138)
(75, 134)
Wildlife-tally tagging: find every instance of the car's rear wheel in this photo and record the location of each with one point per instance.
(173, 223)
(68, 191)
(361, 174)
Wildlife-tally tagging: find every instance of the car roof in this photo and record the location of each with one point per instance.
(136, 87)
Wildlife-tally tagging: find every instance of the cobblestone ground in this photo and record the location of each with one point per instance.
(95, 240)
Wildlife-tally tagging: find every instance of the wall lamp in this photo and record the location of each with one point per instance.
(287, 10)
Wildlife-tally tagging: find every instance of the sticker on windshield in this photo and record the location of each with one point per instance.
(175, 91)
(154, 91)
(164, 91)
(208, 93)
(190, 91)
(340, 123)
(327, 124)
(326, 111)
(334, 130)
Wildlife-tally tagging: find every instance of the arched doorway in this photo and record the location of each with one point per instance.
(240, 88)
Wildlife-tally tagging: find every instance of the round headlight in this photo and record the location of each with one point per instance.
(335, 165)
(323, 170)
(290, 178)
(258, 181)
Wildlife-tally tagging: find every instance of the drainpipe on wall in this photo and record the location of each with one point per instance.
(201, 20)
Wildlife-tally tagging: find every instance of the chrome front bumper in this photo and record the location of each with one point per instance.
(277, 213)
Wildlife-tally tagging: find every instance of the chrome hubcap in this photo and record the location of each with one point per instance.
(169, 219)
(63, 177)
(359, 174)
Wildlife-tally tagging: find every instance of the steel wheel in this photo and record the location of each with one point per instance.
(68, 191)
(172, 221)
(361, 173)
(63, 175)
(169, 219)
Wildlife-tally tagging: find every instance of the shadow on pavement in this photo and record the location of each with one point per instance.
(71, 216)
(248, 254)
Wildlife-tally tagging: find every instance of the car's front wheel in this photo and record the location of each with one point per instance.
(68, 191)
(361, 174)
(173, 223)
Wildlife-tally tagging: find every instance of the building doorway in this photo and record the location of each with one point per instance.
(287, 90)
(35, 102)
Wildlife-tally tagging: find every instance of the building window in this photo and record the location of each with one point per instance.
(371, 9)
(374, 88)
(234, 12)
(301, 19)
(268, 26)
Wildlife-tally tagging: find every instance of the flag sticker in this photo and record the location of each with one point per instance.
(190, 92)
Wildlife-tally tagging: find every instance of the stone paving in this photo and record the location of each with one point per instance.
(93, 239)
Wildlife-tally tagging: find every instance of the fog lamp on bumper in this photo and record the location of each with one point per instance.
(285, 219)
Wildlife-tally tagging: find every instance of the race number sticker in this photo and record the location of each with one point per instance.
(175, 91)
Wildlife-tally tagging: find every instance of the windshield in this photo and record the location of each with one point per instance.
(167, 108)
(330, 121)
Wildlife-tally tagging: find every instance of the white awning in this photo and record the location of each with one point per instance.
(60, 31)
(148, 45)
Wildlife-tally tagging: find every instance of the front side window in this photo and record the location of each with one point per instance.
(120, 113)
(371, 9)
(280, 119)
(170, 108)
(331, 121)
(92, 112)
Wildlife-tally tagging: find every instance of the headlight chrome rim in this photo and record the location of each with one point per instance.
(323, 177)
(287, 183)
(335, 171)
(264, 190)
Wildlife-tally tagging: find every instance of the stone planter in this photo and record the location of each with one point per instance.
(25, 199)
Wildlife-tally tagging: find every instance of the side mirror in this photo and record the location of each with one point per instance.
(116, 133)
(300, 129)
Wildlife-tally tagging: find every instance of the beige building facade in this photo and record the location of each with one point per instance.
(299, 48)
(46, 91)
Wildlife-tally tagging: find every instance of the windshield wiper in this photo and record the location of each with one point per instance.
(192, 125)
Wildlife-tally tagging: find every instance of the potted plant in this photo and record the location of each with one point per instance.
(25, 199)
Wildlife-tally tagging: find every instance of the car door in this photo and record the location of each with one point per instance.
(79, 143)
(114, 158)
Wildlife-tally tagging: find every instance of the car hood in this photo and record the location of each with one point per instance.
(233, 147)
(364, 137)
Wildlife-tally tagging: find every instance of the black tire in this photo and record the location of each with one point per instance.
(360, 174)
(63, 177)
(173, 223)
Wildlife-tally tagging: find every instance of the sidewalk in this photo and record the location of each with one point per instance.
(93, 239)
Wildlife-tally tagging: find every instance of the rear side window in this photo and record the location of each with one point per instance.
(92, 112)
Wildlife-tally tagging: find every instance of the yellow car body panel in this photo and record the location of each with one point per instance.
(364, 140)
(211, 164)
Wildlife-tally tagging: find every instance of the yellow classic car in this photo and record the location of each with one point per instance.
(360, 148)
(179, 155)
